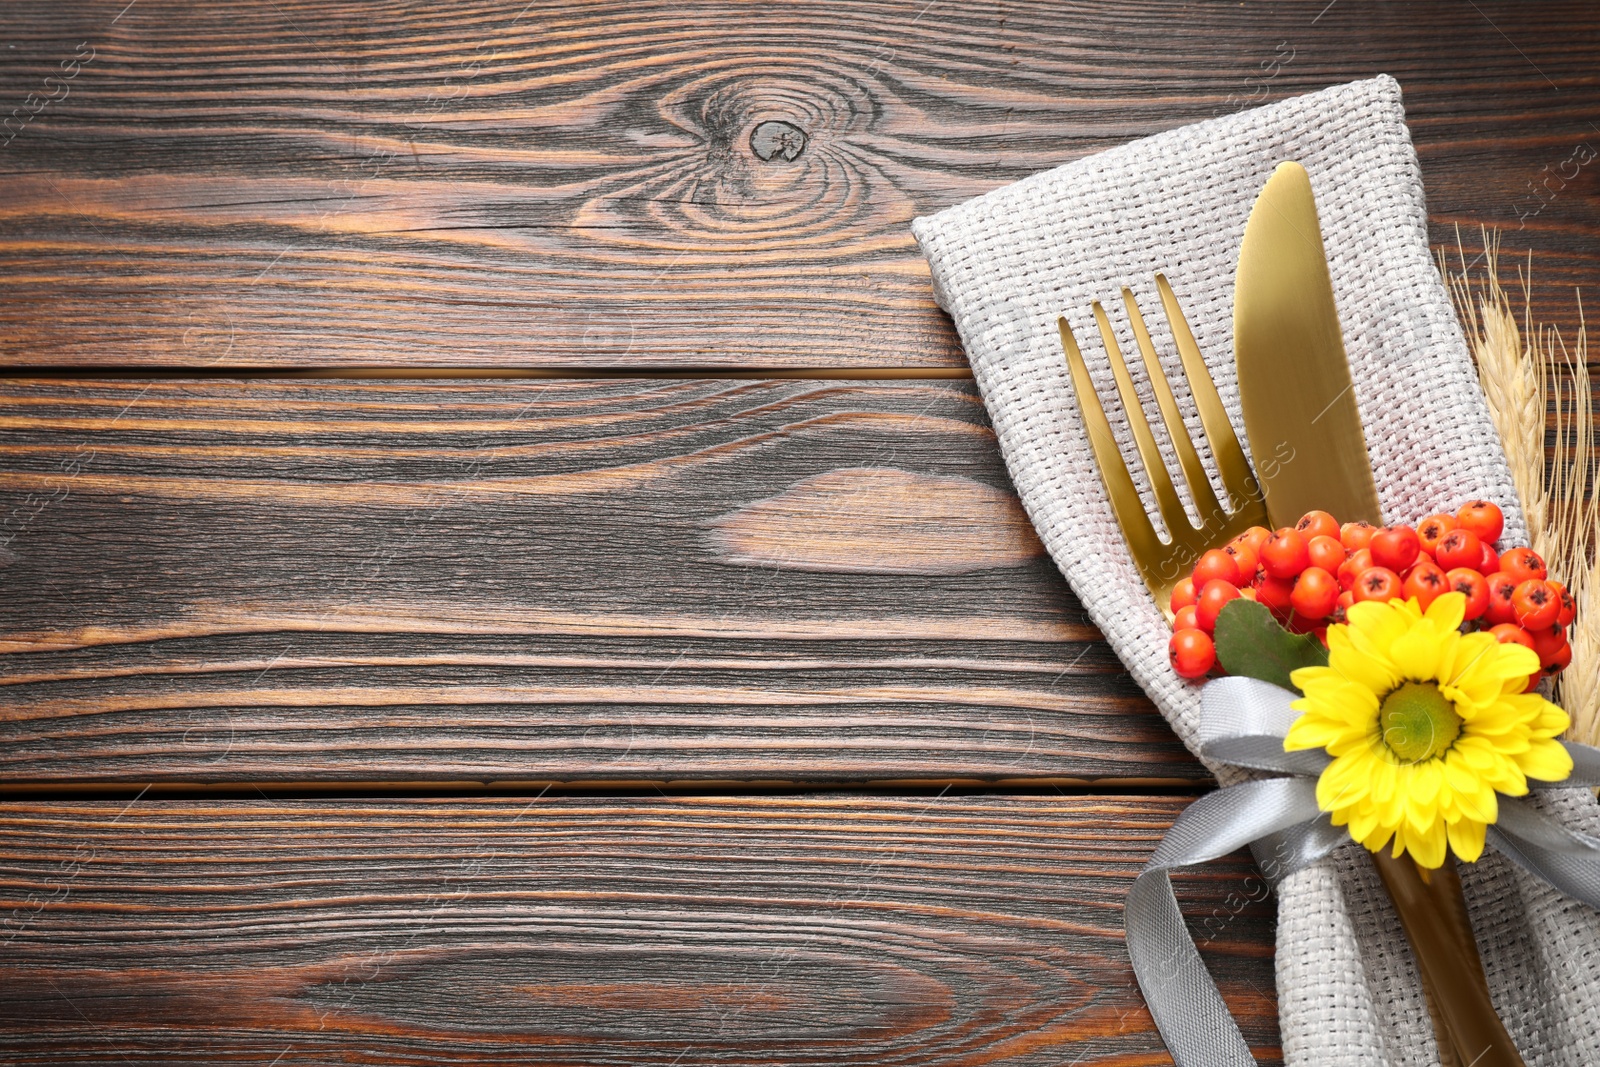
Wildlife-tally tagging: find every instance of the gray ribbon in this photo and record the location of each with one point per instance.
(1242, 723)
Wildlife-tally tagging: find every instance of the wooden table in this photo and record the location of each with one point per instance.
(502, 561)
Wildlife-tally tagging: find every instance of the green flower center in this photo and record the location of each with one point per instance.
(1418, 723)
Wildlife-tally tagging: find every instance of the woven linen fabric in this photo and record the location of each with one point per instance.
(1006, 264)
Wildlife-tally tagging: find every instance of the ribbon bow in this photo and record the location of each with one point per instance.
(1242, 723)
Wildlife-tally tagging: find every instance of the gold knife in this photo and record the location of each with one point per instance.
(1304, 429)
(1294, 380)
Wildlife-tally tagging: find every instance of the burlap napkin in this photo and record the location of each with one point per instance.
(1007, 264)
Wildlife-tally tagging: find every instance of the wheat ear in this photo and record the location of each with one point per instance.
(1528, 375)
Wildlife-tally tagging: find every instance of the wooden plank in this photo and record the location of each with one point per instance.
(670, 182)
(624, 580)
(935, 932)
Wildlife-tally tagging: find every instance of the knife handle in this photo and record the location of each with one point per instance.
(1433, 914)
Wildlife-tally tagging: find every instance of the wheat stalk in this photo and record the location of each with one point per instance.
(1528, 373)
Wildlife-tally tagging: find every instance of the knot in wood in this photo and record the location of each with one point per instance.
(776, 139)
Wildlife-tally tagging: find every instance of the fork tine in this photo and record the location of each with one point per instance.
(1193, 471)
(1167, 502)
(1232, 465)
(1120, 490)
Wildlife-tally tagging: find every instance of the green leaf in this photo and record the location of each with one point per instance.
(1251, 644)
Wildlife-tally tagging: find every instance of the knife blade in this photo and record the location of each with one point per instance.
(1295, 393)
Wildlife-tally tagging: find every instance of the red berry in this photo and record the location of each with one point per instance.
(1501, 586)
(1569, 607)
(1358, 561)
(1285, 554)
(1510, 633)
(1560, 661)
(1431, 530)
(1183, 594)
(1245, 558)
(1346, 599)
(1482, 518)
(1316, 593)
(1469, 582)
(1356, 535)
(1191, 652)
(1546, 640)
(1395, 548)
(1490, 561)
(1216, 564)
(1213, 597)
(1522, 564)
(1533, 681)
(1424, 582)
(1377, 583)
(1459, 548)
(1185, 619)
(1276, 593)
(1535, 604)
(1317, 524)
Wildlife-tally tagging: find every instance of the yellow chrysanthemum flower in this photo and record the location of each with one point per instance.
(1425, 725)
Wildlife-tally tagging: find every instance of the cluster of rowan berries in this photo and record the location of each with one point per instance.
(1310, 573)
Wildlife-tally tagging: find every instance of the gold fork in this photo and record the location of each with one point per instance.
(1163, 564)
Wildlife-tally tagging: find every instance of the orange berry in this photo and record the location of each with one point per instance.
(1501, 586)
(1522, 564)
(1474, 587)
(1559, 661)
(1535, 604)
(1395, 548)
(1255, 537)
(1356, 535)
(1546, 640)
(1245, 558)
(1191, 653)
(1431, 530)
(1316, 592)
(1569, 607)
(1490, 561)
(1482, 518)
(1351, 568)
(1276, 593)
(1377, 583)
(1459, 548)
(1183, 595)
(1185, 619)
(1326, 552)
(1317, 524)
(1216, 564)
(1423, 583)
(1510, 633)
(1213, 598)
(1285, 554)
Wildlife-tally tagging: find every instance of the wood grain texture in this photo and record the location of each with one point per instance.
(935, 932)
(687, 183)
(616, 580)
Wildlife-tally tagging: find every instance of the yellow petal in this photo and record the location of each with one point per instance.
(1466, 839)
(1545, 760)
(1417, 653)
(1447, 610)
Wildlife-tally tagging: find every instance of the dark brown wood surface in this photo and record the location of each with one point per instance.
(933, 931)
(567, 580)
(275, 586)
(686, 183)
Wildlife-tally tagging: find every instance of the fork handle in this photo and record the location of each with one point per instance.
(1433, 914)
